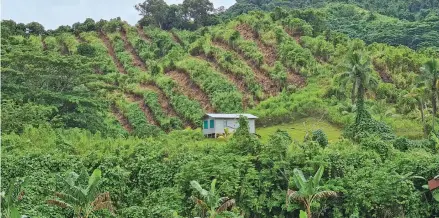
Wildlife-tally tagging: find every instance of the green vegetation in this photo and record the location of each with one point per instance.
(124, 104)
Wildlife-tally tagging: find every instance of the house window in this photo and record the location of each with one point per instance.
(212, 123)
(206, 126)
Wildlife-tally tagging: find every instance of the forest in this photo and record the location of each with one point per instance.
(103, 118)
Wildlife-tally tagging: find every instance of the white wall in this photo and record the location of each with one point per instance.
(231, 124)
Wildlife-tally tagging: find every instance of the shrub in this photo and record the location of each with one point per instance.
(320, 137)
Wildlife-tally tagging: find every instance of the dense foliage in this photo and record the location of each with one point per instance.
(105, 109)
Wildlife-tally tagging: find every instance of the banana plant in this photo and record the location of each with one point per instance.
(211, 204)
(12, 197)
(84, 201)
(309, 190)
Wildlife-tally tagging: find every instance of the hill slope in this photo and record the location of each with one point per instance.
(146, 79)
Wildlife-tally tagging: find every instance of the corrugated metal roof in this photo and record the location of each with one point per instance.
(231, 116)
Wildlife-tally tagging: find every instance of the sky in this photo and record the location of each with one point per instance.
(54, 13)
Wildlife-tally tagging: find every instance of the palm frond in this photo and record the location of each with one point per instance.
(318, 176)
(59, 203)
(66, 197)
(325, 194)
(226, 205)
(198, 187)
(299, 178)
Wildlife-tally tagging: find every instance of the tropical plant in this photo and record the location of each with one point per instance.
(309, 190)
(211, 203)
(12, 197)
(84, 201)
(430, 74)
(357, 69)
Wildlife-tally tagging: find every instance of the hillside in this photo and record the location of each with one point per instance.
(128, 101)
(146, 78)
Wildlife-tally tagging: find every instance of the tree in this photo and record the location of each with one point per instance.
(198, 10)
(35, 28)
(83, 200)
(153, 10)
(211, 203)
(357, 67)
(309, 190)
(419, 93)
(430, 74)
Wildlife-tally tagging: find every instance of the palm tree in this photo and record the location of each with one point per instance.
(83, 201)
(419, 93)
(357, 68)
(430, 74)
(309, 190)
(211, 202)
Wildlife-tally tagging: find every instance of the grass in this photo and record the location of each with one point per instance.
(298, 129)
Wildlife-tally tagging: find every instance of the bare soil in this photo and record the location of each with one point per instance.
(164, 102)
(296, 79)
(111, 52)
(238, 82)
(121, 118)
(294, 35)
(142, 34)
(385, 77)
(143, 106)
(44, 44)
(80, 39)
(267, 84)
(269, 52)
(176, 38)
(190, 89)
(136, 59)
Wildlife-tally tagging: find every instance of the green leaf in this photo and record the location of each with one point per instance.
(302, 214)
(14, 213)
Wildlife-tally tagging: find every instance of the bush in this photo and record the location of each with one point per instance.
(320, 137)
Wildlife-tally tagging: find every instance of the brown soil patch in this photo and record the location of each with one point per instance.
(385, 77)
(111, 52)
(142, 34)
(296, 36)
(164, 102)
(134, 56)
(267, 84)
(143, 106)
(121, 118)
(80, 39)
(44, 44)
(190, 89)
(296, 79)
(231, 77)
(269, 52)
(64, 49)
(176, 38)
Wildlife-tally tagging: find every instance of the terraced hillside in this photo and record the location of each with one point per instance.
(154, 81)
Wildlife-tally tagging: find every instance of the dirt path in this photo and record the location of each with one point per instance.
(267, 84)
(238, 82)
(111, 52)
(176, 38)
(296, 79)
(143, 106)
(80, 39)
(137, 61)
(385, 77)
(163, 100)
(121, 118)
(44, 44)
(142, 34)
(269, 52)
(190, 89)
(295, 36)
(164, 103)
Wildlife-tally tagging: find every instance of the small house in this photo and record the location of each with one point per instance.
(214, 124)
